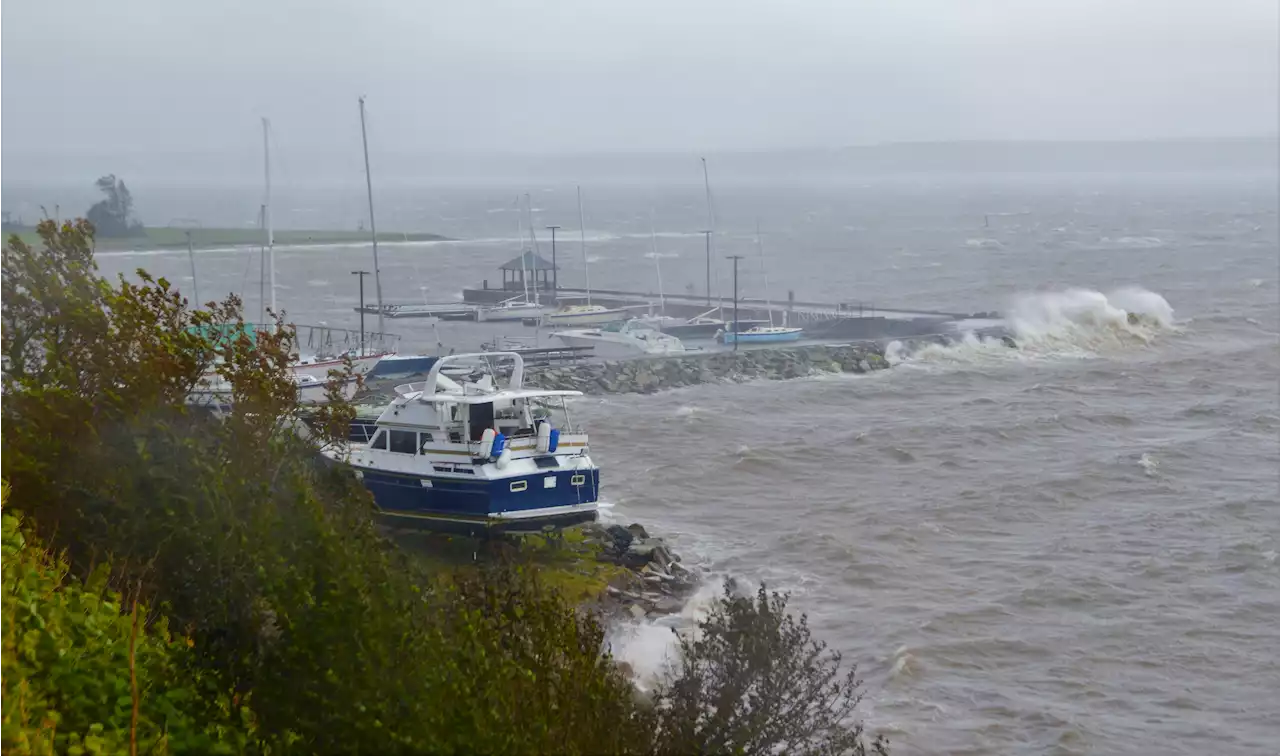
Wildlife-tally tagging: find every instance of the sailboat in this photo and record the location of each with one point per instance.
(328, 348)
(585, 314)
(761, 334)
(518, 308)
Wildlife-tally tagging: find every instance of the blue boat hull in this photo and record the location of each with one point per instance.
(454, 504)
(760, 338)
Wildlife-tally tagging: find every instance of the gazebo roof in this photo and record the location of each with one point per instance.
(532, 263)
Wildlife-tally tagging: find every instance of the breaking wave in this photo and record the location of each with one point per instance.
(1067, 323)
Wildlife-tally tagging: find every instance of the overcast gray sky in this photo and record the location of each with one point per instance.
(570, 75)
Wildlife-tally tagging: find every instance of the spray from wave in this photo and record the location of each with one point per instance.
(1067, 323)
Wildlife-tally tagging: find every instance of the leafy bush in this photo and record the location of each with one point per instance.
(83, 673)
(753, 681)
(309, 632)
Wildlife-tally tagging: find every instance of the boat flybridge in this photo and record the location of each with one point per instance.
(470, 454)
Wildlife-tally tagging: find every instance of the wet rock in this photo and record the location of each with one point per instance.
(637, 611)
(644, 547)
(637, 530)
(622, 537)
(668, 605)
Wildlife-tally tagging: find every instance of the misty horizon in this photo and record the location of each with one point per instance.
(585, 78)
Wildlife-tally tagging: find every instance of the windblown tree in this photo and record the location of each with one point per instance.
(112, 216)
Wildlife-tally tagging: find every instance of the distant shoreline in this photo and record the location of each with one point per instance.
(167, 237)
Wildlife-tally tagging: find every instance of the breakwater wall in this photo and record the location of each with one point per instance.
(648, 375)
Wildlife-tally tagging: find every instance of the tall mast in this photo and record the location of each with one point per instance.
(373, 226)
(524, 269)
(262, 268)
(711, 228)
(266, 215)
(763, 274)
(533, 239)
(653, 240)
(582, 231)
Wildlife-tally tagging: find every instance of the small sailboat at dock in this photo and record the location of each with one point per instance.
(761, 334)
(587, 314)
(518, 308)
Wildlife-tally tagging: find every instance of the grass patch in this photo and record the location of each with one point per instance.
(565, 561)
(166, 237)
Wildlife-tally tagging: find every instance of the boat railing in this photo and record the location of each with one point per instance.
(328, 341)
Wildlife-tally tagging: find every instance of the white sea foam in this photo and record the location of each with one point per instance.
(1056, 324)
(650, 646)
(1082, 320)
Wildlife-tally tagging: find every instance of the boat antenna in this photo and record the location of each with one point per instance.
(582, 232)
(373, 225)
(266, 214)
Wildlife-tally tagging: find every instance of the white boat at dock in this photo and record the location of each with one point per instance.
(512, 309)
(443, 310)
(586, 314)
(632, 338)
(478, 455)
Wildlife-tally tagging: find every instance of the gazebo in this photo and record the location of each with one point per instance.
(543, 273)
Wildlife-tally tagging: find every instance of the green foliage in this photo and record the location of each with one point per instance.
(77, 659)
(309, 631)
(753, 681)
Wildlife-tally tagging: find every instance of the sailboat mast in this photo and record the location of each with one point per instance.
(763, 274)
(582, 232)
(262, 268)
(711, 229)
(533, 239)
(266, 215)
(373, 225)
(524, 269)
(657, 264)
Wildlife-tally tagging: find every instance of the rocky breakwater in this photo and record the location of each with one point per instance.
(648, 375)
(652, 581)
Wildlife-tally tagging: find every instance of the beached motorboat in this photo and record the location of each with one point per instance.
(760, 335)
(586, 314)
(632, 338)
(478, 455)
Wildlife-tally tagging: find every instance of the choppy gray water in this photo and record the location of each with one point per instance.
(1067, 549)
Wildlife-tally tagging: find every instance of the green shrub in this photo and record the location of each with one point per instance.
(753, 681)
(77, 660)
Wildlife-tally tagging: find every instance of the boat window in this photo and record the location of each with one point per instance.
(423, 440)
(519, 485)
(481, 416)
(455, 437)
(404, 442)
(379, 441)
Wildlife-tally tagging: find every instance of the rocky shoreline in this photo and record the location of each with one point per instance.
(653, 581)
(649, 375)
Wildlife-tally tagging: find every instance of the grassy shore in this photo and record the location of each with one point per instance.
(164, 237)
